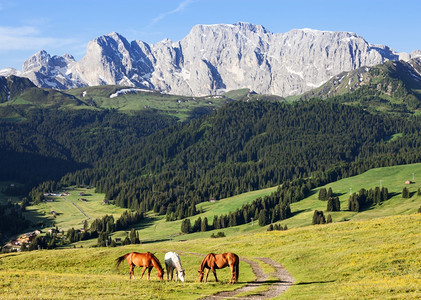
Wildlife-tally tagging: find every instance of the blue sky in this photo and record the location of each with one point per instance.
(59, 27)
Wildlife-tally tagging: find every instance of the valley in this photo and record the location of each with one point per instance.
(155, 228)
(79, 160)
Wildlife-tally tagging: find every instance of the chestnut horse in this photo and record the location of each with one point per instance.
(219, 261)
(146, 260)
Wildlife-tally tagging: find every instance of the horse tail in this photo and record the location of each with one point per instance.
(119, 260)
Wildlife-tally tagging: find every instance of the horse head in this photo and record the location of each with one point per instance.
(181, 275)
(160, 274)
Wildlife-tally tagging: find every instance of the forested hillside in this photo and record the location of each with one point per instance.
(248, 146)
(49, 143)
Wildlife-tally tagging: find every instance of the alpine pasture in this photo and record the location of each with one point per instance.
(372, 254)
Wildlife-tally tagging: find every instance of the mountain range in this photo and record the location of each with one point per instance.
(212, 59)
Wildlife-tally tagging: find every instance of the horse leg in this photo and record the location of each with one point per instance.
(131, 272)
(143, 271)
(176, 275)
(232, 280)
(168, 271)
(149, 272)
(206, 276)
(214, 273)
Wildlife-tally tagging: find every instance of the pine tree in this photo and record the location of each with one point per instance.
(329, 219)
(330, 206)
(204, 226)
(323, 194)
(263, 217)
(405, 193)
(329, 193)
(186, 226)
(133, 236)
(137, 241)
(318, 217)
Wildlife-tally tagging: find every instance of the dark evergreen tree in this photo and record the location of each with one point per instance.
(186, 226)
(318, 217)
(322, 194)
(263, 219)
(333, 204)
(405, 193)
(132, 236)
(204, 225)
(329, 219)
(329, 193)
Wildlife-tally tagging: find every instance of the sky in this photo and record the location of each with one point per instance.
(65, 27)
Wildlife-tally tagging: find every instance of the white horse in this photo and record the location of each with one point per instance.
(172, 261)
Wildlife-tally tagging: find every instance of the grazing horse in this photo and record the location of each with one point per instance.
(172, 261)
(218, 261)
(146, 260)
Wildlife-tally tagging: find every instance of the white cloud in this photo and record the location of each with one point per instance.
(179, 8)
(26, 38)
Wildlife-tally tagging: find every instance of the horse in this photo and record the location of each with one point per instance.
(146, 260)
(219, 261)
(172, 261)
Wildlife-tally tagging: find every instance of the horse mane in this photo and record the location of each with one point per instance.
(178, 264)
(206, 260)
(156, 260)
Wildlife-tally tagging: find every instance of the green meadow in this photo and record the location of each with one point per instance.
(373, 254)
(362, 259)
(69, 211)
(175, 105)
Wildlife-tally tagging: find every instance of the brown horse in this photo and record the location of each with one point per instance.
(219, 261)
(146, 260)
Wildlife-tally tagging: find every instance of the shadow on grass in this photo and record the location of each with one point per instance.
(294, 213)
(314, 282)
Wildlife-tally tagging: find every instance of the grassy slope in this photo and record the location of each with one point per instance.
(98, 97)
(67, 210)
(392, 178)
(376, 258)
(179, 106)
(375, 255)
(157, 229)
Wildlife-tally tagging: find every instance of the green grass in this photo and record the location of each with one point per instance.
(175, 105)
(374, 255)
(67, 210)
(370, 259)
(393, 178)
(159, 229)
(155, 228)
(90, 273)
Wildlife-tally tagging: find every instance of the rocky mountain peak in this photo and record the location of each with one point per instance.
(212, 59)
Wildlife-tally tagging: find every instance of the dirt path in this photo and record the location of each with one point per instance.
(81, 211)
(276, 286)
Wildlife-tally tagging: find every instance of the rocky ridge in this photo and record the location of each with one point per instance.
(213, 59)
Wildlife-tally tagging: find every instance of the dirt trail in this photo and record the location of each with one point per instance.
(276, 286)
